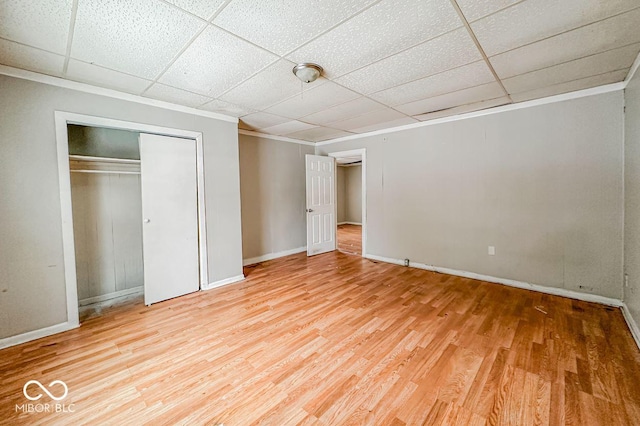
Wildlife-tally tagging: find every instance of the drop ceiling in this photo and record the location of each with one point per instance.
(387, 63)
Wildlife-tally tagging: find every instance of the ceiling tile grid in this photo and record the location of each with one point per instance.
(382, 30)
(594, 38)
(600, 63)
(27, 57)
(90, 73)
(205, 9)
(43, 24)
(386, 62)
(453, 99)
(343, 111)
(313, 100)
(452, 80)
(283, 25)
(268, 87)
(178, 96)
(440, 54)
(534, 20)
(215, 62)
(139, 38)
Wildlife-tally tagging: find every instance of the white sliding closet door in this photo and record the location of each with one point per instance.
(170, 217)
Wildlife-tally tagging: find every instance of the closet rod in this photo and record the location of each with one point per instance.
(111, 172)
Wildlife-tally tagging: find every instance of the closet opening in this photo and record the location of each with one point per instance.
(104, 166)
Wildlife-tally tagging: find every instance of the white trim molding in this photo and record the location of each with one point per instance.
(349, 223)
(271, 256)
(631, 323)
(362, 153)
(489, 111)
(37, 334)
(224, 282)
(632, 70)
(563, 292)
(273, 137)
(95, 90)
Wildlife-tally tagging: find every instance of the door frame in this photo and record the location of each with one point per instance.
(62, 119)
(362, 152)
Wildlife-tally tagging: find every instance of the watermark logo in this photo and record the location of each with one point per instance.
(57, 391)
(45, 390)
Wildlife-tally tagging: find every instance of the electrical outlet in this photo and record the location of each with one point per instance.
(491, 250)
(406, 262)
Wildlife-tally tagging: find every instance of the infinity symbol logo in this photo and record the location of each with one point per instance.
(38, 396)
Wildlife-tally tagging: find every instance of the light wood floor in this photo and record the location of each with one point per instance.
(350, 239)
(337, 339)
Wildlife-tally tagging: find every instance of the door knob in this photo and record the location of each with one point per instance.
(147, 220)
(309, 210)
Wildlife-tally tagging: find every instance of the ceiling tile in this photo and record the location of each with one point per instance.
(343, 111)
(368, 119)
(261, 120)
(215, 62)
(286, 24)
(270, 86)
(572, 86)
(288, 127)
(533, 20)
(454, 99)
(202, 8)
(612, 60)
(313, 100)
(448, 81)
(93, 74)
(476, 9)
(386, 125)
(318, 134)
(29, 58)
(445, 52)
(382, 30)
(595, 38)
(41, 23)
(138, 37)
(476, 106)
(227, 108)
(177, 96)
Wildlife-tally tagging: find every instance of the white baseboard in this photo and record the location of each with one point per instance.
(512, 283)
(349, 223)
(226, 281)
(114, 295)
(272, 256)
(37, 334)
(633, 326)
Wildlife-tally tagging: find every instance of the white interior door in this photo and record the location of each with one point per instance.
(170, 217)
(321, 204)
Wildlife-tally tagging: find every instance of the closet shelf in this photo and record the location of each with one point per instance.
(103, 159)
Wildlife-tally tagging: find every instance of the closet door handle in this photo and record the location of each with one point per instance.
(147, 220)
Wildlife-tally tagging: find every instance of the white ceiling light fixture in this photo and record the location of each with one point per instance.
(307, 72)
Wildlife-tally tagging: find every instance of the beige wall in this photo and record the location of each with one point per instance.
(272, 183)
(632, 196)
(542, 184)
(353, 194)
(32, 282)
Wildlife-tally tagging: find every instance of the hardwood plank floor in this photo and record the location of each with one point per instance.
(338, 339)
(350, 239)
